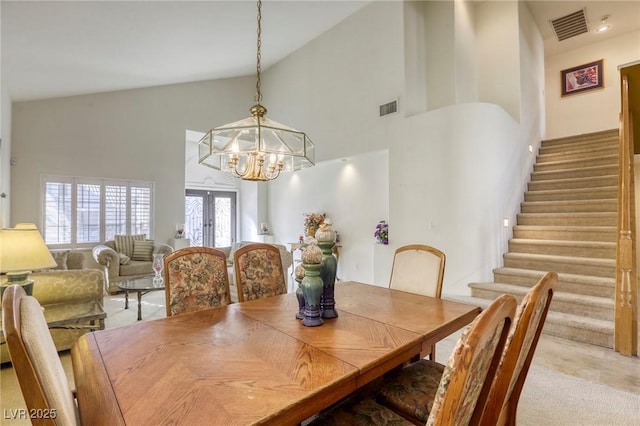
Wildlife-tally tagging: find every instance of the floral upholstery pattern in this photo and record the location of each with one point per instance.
(365, 412)
(259, 271)
(412, 389)
(474, 380)
(536, 317)
(196, 280)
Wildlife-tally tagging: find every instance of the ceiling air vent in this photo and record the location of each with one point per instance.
(389, 108)
(571, 25)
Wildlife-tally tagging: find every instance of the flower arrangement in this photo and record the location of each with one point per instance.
(311, 223)
(382, 232)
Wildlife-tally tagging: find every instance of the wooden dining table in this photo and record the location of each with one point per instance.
(253, 362)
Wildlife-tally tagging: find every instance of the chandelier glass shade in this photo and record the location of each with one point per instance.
(256, 148)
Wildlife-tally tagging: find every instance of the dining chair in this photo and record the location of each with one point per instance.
(410, 392)
(195, 278)
(258, 271)
(460, 391)
(418, 269)
(521, 344)
(35, 360)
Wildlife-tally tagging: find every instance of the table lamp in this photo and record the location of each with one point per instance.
(22, 249)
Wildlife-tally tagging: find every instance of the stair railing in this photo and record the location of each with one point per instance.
(626, 297)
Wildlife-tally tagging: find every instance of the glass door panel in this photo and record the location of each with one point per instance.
(210, 217)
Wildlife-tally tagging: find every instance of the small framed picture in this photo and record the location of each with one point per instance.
(583, 77)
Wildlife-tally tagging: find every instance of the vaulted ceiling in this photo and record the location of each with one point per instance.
(55, 48)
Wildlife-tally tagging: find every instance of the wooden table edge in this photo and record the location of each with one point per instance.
(309, 405)
(450, 328)
(85, 353)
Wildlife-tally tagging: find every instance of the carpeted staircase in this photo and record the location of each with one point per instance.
(567, 224)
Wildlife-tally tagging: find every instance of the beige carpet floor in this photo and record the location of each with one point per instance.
(553, 398)
(549, 397)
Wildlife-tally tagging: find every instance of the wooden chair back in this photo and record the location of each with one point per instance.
(195, 278)
(518, 353)
(35, 360)
(469, 373)
(418, 269)
(258, 272)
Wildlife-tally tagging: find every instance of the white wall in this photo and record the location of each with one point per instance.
(568, 115)
(332, 87)
(454, 173)
(439, 53)
(5, 149)
(498, 44)
(133, 134)
(466, 62)
(354, 194)
(5, 157)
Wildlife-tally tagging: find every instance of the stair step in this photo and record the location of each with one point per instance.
(568, 219)
(565, 264)
(569, 206)
(579, 329)
(588, 306)
(586, 152)
(600, 193)
(592, 249)
(573, 183)
(568, 283)
(578, 146)
(603, 160)
(566, 326)
(585, 137)
(567, 224)
(578, 172)
(579, 233)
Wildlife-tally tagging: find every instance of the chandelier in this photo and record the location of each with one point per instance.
(256, 148)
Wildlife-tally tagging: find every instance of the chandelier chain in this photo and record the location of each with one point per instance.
(258, 97)
(240, 149)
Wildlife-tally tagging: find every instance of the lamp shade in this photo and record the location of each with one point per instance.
(22, 248)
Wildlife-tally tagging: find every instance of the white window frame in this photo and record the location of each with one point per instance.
(102, 182)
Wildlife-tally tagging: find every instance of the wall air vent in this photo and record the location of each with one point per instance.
(571, 25)
(389, 108)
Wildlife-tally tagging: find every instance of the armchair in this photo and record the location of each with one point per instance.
(119, 267)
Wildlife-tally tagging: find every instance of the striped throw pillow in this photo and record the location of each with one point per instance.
(142, 250)
(124, 243)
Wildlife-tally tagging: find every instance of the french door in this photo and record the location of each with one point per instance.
(210, 217)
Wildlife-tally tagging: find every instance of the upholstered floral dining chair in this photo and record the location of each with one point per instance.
(460, 395)
(258, 271)
(195, 278)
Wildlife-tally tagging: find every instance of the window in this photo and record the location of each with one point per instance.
(84, 211)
